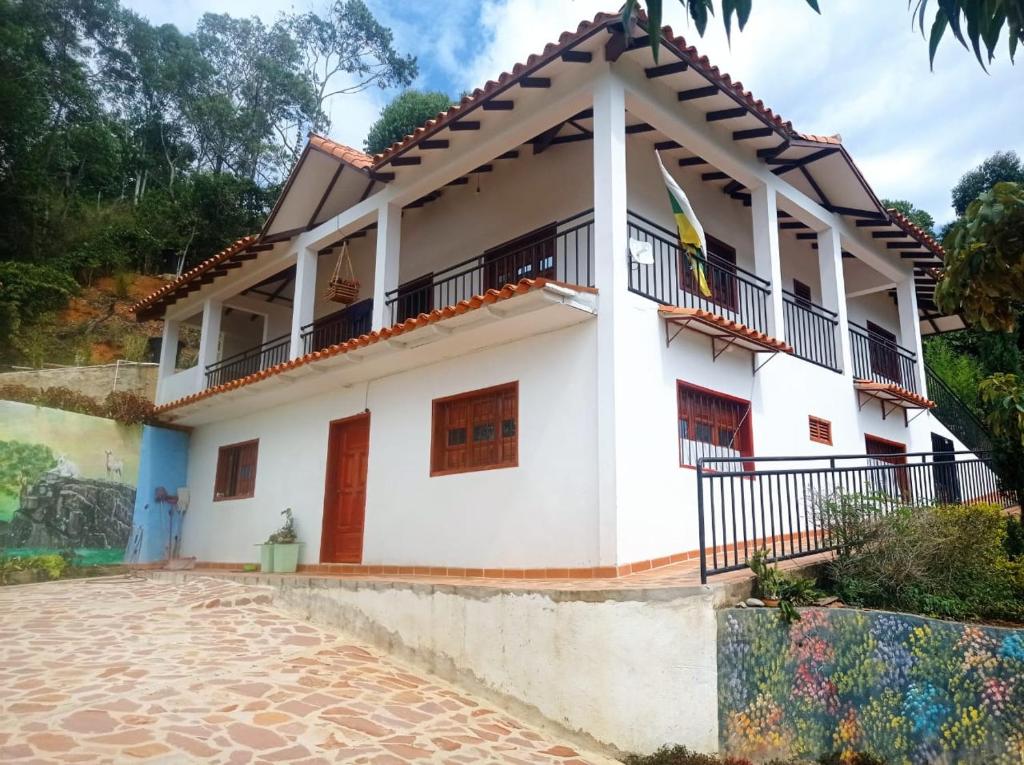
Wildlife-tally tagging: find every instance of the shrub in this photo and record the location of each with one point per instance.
(121, 406)
(946, 561)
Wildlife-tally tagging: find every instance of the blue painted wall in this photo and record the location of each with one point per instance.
(163, 464)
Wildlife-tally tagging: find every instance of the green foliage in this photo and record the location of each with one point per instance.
(979, 22)
(961, 371)
(1001, 166)
(1004, 396)
(286, 534)
(402, 116)
(125, 146)
(680, 755)
(984, 273)
(22, 464)
(914, 559)
(50, 565)
(917, 216)
(774, 584)
(1014, 538)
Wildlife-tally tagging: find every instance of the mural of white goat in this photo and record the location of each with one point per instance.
(66, 468)
(115, 467)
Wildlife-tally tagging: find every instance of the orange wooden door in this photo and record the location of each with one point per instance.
(348, 451)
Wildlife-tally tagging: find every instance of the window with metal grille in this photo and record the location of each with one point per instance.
(478, 430)
(820, 430)
(236, 471)
(712, 425)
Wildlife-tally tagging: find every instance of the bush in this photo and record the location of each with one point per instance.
(947, 561)
(52, 565)
(680, 755)
(121, 406)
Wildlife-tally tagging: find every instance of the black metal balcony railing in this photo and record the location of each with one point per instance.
(336, 329)
(566, 255)
(880, 359)
(736, 294)
(811, 330)
(249, 361)
(789, 505)
(955, 415)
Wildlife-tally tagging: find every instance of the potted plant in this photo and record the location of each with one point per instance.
(285, 545)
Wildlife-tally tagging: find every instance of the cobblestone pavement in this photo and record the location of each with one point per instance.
(135, 670)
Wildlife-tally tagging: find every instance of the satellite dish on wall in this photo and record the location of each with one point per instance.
(641, 252)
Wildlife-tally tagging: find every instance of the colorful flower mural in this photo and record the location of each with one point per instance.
(903, 688)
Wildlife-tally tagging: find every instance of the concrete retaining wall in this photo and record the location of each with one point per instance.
(629, 670)
(96, 381)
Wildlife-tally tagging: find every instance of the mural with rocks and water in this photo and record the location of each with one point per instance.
(67, 482)
(903, 688)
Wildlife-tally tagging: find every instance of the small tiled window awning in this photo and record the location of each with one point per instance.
(892, 395)
(721, 330)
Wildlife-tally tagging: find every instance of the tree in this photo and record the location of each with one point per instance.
(920, 218)
(984, 271)
(402, 116)
(982, 21)
(350, 41)
(1001, 166)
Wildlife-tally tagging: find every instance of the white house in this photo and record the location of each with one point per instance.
(528, 374)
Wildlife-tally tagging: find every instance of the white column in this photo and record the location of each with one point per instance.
(209, 337)
(385, 269)
(910, 327)
(833, 293)
(767, 264)
(611, 279)
(304, 299)
(168, 354)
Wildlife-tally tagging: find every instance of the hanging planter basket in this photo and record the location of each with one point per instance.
(343, 286)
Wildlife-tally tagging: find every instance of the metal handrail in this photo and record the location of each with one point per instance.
(248, 351)
(714, 260)
(891, 344)
(811, 305)
(475, 261)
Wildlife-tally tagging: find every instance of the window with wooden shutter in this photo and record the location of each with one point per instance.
(802, 291)
(712, 425)
(236, 471)
(476, 431)
(820, 430)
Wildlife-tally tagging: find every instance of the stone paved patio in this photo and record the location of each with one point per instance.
(134, 670)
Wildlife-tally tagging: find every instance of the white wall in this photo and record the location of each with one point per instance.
(535, 515)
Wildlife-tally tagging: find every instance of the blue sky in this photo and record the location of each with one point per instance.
(860, 73)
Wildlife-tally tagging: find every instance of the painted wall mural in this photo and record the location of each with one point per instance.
(904, 688)
(67, 481)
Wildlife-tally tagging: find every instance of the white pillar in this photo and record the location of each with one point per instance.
(611, 279)
(168, 354)
(833, 293)
(767, 264)
(209, 337)
(910, 327)
(304, 297)
(385, 269)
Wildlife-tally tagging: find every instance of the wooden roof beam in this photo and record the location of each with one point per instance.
(695, 93)
(665, 69)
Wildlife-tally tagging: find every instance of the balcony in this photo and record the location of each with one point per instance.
(811, 330)
(338, 327)
(736, 294)
(561, 252)
(249, 361)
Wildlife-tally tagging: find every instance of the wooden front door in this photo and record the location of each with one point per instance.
(348, 451)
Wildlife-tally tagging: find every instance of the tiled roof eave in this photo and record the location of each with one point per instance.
(490, 297)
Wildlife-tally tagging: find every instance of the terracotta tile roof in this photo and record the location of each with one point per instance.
(727, 325)
(228, 252)
(916, 232)
(892, 389)
(438, 314)
(345, 153)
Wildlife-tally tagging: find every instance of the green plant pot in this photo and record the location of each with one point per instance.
(286, 558)
(266, 558)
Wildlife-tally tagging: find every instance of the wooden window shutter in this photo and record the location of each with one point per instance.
(476, 431)
(236, 471)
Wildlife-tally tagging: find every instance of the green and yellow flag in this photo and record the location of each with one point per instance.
(691, 233)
